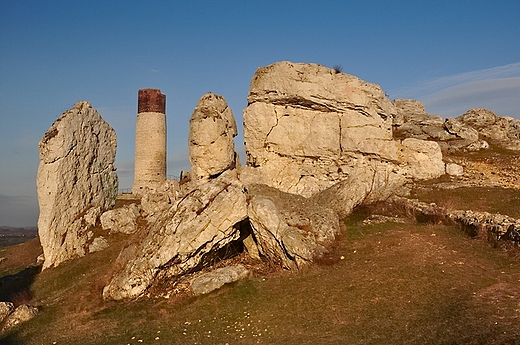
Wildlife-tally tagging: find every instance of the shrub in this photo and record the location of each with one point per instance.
(337, 68)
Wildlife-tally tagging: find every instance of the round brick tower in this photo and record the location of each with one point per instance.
(150, 140)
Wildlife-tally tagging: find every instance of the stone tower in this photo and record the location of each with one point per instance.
(150, 140)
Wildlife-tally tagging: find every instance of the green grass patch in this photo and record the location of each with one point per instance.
(486, 199)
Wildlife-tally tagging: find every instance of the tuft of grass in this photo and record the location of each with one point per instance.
(337, 69)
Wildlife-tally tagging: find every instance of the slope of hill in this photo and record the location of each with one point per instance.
(389, 280)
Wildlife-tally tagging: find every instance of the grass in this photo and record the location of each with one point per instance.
(385, 284)
(487, 199)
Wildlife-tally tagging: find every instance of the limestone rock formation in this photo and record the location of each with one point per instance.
(289, 230)
(123, 219)
(211, 146)
(493, 226)
(412, 121)
(6, 308)
(452, 135)
(21, 314)
(453, 169)
(215, 279)
(502, 131)
(76, 174)
(184, 238)
(307, 128)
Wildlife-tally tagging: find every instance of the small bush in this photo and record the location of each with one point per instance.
(337, 69)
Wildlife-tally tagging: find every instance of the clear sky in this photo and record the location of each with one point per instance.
(452, 55)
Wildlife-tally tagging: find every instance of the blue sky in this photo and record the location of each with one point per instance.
(452, 55)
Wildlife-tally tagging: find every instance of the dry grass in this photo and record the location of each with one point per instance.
(487, 199)
(383, 284)
(389, 283)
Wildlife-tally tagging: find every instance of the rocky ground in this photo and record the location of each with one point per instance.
(489, 169)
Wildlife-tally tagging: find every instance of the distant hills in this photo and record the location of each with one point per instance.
(10, 235)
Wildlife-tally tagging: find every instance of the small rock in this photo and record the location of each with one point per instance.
(6, 308)
(214, 280)
(98, 244)
(21, 314)
(453, 169)
(92, 215)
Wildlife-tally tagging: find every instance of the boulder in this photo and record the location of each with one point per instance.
(210, 143)
(123, 219)
(479, 118)
(98, 244)
(76, 174)
(412, 121)
(6, 308)
(501, 131)
(157, 200)
(207, 282)
(451, 134)
(453, 169)
(307, 128)
(289, 230)
(461, 130)
(190, 235)
(413, 112)
(422, 158)
(21, 314)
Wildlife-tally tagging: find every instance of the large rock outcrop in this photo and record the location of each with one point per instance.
(502, 131)
(452, 135)
(220, 218)
(318, 143)
(469, 132)
(76, 178)
(210, 143)
(188, 236)
(307, 128)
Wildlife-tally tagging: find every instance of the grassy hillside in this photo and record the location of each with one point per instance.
(390, 283)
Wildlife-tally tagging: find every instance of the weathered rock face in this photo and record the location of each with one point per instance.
(184, 238)
(502, 131)
(211, 145)
(452, 135)
(123, 219)
(6, 308)
(412, 121)
(21, 314)
(318, 144)
(76, 174)
(289, 230)
(307, 128)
